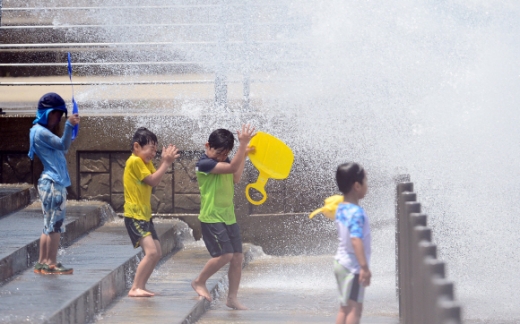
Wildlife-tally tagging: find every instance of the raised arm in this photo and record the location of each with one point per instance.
(238, 174)
(236, 166)
(168, 155)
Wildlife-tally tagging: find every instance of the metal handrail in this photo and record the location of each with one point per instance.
(102, 63)
(140, 7)
(139, 63)
(76, 83)
(79, 45)
(87, 83)
(151, 25)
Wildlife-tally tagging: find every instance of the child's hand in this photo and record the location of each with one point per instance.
(74, 119)
(170, 153)
(250, 149)
(246, 134)
(364, 277)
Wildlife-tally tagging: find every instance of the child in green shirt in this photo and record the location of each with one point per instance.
(216, 175)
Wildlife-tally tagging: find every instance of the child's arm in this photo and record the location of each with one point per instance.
(168, 155)
(233, 167)
(359, 250)
(238, 174)
(63, 143)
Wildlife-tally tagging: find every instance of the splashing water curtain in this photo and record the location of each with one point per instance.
(75, 130)
(273, 159)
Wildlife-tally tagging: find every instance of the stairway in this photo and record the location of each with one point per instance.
(196, 48)
(97, 246)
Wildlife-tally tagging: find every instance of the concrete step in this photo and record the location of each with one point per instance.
(119, 33)
(175, 300)
(14, 197)
(170, 59)
(104, 263)
(122, 99)
(123, 13)
(21, 232)
(86, 3)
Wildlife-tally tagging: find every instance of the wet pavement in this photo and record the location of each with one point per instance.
(103, 261)
(175, 300)
(21, 232)
(294, 289)
(277, 289)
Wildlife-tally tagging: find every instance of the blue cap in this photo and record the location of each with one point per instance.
(47, 103)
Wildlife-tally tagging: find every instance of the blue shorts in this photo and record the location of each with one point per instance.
(54, 201)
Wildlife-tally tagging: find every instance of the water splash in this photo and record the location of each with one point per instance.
(427, 88)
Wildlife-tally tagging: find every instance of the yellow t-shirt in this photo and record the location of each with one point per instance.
(137, 193)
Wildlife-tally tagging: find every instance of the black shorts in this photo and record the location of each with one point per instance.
(221, 238)
(137, 229)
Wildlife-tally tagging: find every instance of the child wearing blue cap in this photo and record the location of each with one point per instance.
(54, 180)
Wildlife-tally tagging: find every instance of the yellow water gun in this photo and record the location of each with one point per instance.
(329, 208)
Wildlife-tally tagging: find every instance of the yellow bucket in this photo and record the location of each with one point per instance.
(273, 159)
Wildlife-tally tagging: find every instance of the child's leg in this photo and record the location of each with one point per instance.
(351, 294)
(234, 275)
(211, 267)
(44, 242)
(341, 318)
(152, 255)
(52, 245)
(54, 202)
(354, 312)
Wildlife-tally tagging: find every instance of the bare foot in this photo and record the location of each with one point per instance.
(233, 303)
(140, 293)
(201, 290)
(148, 291)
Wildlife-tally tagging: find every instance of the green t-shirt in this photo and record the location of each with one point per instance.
(216, 193)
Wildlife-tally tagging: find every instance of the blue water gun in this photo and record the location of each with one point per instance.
(75, 130)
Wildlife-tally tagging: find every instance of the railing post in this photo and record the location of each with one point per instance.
(449, 311)
(434, 269)
(424, 295)
(410, 206)
(429, 251)
(221, 68)
(400, 220)
(246, 69)
(421, 233)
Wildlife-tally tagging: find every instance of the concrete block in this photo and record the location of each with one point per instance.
(94, 162)
(187, 203)
(15, 197)
(95, 186)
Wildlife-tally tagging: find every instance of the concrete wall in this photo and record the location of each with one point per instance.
(96, 162)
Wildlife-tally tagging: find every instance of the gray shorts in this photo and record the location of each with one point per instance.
(348, 285)
(221, 238)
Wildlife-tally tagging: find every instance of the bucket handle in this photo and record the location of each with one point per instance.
(259, 186)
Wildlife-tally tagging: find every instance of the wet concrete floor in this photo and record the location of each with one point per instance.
(295, 289)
